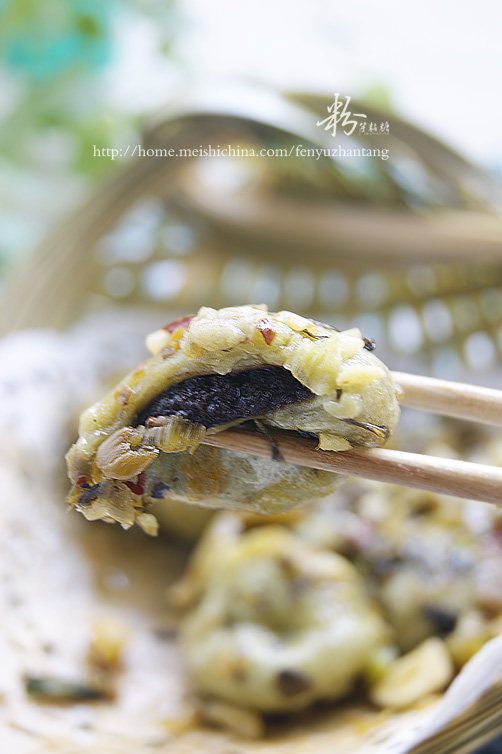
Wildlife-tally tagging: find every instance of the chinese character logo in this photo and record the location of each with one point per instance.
(340, 115)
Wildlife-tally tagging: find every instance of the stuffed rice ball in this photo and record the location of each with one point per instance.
(273, 372)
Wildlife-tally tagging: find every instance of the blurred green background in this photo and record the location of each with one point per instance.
(57, 57)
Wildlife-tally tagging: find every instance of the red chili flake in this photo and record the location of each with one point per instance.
(172, 326)
(123, 395)
(266, 329)
(497, 530)
(81, 481)
(138, 487)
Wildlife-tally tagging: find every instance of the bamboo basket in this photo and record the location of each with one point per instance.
(409, 243)
(416, 242)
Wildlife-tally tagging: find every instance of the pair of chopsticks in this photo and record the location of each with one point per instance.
(473, 481)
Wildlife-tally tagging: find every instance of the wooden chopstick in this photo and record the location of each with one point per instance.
(450, 398)
(472, 481)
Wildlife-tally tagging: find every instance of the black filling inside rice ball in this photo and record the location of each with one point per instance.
(214, 399)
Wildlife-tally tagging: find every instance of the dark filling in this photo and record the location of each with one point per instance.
(444, 620)
(292, 682)
(220, 398)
